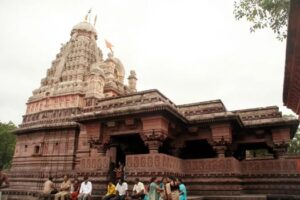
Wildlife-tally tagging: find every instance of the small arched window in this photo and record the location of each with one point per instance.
(37, 150)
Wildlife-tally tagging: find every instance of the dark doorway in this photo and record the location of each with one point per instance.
(197, 149)
(166, 148)
(127, 145)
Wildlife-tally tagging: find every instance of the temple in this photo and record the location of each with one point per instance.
(84, 117)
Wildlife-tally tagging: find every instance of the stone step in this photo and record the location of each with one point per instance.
(246, 197)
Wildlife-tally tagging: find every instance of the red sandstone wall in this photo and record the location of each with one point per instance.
(56, 151)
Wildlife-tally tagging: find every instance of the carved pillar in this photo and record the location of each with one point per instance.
(281, 139)
(220, 150)
(155, 131)
(112, 153)
(153, 145)
(280, 151)
(221, 138)
(153, 140)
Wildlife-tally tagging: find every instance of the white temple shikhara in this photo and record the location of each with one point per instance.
(80, 71)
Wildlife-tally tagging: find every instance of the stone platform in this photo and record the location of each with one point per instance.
(33, 196)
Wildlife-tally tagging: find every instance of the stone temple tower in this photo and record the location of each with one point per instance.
(78, 79)
(78, 76)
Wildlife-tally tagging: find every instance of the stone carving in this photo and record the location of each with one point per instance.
(95, 163)
(79, 69)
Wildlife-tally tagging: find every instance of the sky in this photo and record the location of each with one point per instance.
(190, 50)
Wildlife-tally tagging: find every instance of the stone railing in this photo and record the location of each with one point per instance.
(212, 166)
(280, 166)
(95, 163)
(153, 163)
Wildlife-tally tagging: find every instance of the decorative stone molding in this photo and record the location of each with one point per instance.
(153, 139)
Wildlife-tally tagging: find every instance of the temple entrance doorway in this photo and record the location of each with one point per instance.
(197, 149)
(122, 145)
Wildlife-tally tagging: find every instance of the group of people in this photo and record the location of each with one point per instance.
(68, 189)
(168, 188)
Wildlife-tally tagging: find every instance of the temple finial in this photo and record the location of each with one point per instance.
(95, 20)
(87, 17)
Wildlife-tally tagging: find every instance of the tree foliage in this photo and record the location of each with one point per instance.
(264, 14)
(294, 146)
(7, 143)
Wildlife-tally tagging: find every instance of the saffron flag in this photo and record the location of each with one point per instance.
(108, 44)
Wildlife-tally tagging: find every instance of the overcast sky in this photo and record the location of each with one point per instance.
(190, 50)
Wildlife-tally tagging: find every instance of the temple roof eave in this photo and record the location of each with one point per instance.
(293, 123)
(87, 116)
(216, 117)
(63, 125)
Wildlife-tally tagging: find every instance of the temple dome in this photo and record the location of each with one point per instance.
(85, 26)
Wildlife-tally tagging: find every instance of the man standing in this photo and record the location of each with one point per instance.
(64, 189)
(85, 189)
(121, 188)
(138, 191)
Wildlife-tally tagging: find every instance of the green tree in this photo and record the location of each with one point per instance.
(294, 146)
(264, 14)
(7, 143)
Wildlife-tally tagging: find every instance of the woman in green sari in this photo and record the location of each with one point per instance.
(182, 190)
(154, 189)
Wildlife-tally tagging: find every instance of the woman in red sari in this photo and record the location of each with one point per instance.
(76, 188)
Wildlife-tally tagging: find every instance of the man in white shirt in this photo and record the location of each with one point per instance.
(85, 189)
(48, 188)
(121, 188)
(138, 191)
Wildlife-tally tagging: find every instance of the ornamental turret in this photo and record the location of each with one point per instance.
(132, 81)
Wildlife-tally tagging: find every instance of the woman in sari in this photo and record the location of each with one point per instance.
(174, 185)
(182, 190)
(154, 189)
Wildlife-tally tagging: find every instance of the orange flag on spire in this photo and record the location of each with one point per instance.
(108, 44)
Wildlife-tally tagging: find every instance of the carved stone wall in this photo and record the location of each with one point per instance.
(45, 150)
(94, 163)
(153, 163)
